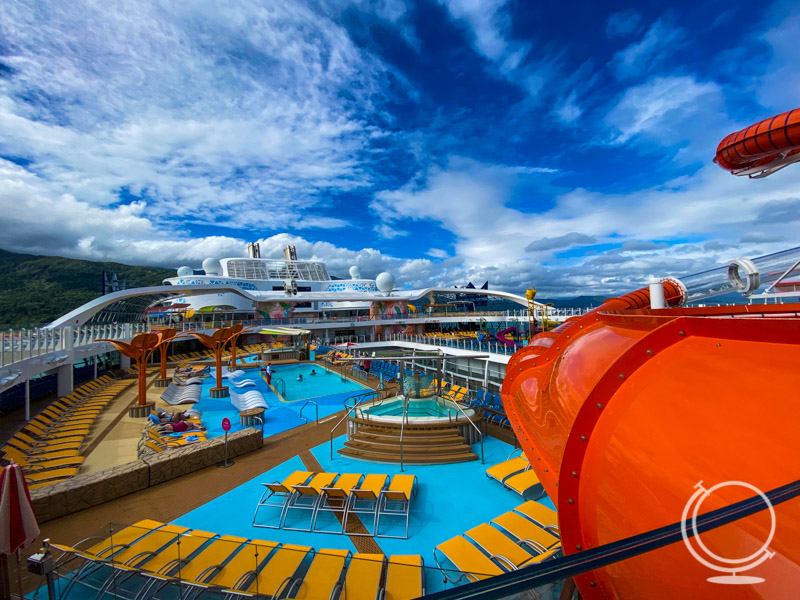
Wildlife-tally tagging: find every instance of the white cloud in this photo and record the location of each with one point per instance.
(438, 253)
(567, 110)
(233, 117)
(660, 41)
(658, 109)
(488, 23)
(779, 86)
(622, 23)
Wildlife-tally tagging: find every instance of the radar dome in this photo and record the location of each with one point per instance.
(355, 272)
(385, 282)
(185, 271)
(212, 267)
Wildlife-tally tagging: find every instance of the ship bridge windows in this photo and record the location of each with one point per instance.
(247, 268)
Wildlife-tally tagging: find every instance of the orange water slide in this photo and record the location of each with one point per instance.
(622, 412)
(763, 148)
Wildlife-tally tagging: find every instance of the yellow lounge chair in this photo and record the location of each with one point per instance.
(66, 435)
(526, 484)
(239, 570)
(396, 501)
(543, 516)
(405, 577)
(503, 549)
(323, 578)
(275, 577)
(277, 494)
(35, 454)
(363, 579)
(307, 497)
(364, 500)
(37, 474)
(334, 498)
(469, 561)
(23, 439)
(527, 532)
(156, 563)
(24, 461)
(506, 469)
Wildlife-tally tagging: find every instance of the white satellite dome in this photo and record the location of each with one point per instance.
(355, 272)
(385, 282)
(185, 271)
(212, 266)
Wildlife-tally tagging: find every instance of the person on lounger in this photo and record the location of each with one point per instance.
(182, 426)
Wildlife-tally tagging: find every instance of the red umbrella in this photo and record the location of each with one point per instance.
(18, 527)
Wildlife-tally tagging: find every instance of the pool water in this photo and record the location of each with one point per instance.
(416, 408)
(324, 383)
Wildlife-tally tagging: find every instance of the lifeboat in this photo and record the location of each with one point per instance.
(763, 148)
(624, 411)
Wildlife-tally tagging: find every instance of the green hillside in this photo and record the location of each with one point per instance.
(35, 290)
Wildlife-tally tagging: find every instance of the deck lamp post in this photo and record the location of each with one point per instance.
(216, 342)
(139, 349)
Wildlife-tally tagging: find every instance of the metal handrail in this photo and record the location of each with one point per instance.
(480, 433)
(260, 420)
(403, 422)
(367, 396)
(280, 384)
(316, 410)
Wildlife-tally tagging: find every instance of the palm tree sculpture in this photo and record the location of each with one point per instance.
(140, 348)
(216, 342)
(165, 338)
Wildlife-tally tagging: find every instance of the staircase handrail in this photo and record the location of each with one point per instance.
(316, 410)
(480, 433)
(366, 397)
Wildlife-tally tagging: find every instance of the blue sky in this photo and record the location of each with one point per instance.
(563, 146)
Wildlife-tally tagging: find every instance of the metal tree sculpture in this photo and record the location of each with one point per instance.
(139, 350)
(165, 338)
(216, 342)
(235, 338)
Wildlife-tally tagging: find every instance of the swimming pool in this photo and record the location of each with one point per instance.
(327, 390)
(428, 411)
(323, 383)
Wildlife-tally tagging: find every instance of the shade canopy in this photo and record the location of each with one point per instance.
(284, 331)
(18, 527)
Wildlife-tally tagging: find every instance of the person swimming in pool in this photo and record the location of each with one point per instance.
(300, 377)
(313, 372)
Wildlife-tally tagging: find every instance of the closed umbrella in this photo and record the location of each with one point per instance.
(346, 345)
(18, 527)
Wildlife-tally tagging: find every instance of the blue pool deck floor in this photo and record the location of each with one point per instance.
(450, 499)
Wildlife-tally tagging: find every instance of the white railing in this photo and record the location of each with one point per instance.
(22, 344)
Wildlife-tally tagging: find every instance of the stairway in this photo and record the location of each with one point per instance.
(422, 444)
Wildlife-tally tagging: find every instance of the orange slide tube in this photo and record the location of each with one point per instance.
(622, 412)
(760, 144)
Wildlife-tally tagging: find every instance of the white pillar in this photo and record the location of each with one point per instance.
(64, 377)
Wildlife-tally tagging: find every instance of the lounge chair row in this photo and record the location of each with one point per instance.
(524, 536)
(154, 442)
(176, 394)
(341, 495)
(197, 561)
(388, 370)
(517, 475)
(48, 446)
(491, 405)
